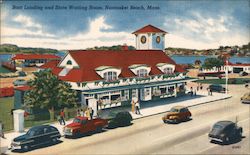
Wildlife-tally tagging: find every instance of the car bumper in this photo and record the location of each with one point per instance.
(15, 147)
(68, 134)
(170, 120)
(245, 101)
(215, 139)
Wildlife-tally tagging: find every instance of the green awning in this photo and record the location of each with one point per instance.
(136, 86)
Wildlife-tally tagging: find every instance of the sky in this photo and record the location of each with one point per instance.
(197, 24)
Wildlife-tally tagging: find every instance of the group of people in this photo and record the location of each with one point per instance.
(135, 107)
(89, 112)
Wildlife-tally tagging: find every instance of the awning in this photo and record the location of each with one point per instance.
(137, 86)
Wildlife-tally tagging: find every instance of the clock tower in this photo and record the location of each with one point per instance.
(150, 38)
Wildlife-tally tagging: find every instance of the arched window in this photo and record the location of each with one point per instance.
(142, 72)
(168, 70)
(69, 62)
(110, 76)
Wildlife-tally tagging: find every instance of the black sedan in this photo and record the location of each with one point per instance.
(217, 88)
(225, 132)
(36, 136)
(120, 119)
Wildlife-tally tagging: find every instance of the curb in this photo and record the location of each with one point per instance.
(187, 106)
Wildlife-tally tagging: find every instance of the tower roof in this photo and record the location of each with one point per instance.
(149, 29)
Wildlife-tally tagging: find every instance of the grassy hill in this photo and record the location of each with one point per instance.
(10, 48)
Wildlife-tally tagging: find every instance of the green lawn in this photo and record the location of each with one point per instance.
(223, 81)
(6, 104)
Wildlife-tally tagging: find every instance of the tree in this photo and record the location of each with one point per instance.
(48, 92)
(209, 63)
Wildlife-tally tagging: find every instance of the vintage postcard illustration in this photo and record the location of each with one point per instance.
(124, 77)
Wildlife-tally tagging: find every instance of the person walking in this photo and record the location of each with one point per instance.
(82, 113)
(1, 130)
(91, 112)
(87, 113)
(78, 113)
(132, 106)
(137, 108)
(62, 116)
(211, 92)
(208, 91)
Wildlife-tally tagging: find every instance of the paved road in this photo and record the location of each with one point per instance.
(151, 136)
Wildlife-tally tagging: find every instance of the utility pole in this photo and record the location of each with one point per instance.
(226, 76)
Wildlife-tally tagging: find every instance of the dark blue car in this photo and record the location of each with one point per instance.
(36, 136)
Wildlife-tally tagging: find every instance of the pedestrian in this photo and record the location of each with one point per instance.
(137, 107)
(87, 113)
(198, 87)
(82, 113)
(62, 116)
(1, 130)
(208, 91)
(91, 112)
(211, 92)
(194, 92)
(191, 91)
(78, 113)
(132, 106)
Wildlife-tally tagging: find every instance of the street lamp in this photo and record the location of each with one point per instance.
(226, 76)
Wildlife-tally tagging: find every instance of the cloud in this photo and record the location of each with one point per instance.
(199, 31)
(99, 34)
(27, 22)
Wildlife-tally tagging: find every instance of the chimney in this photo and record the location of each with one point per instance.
(124, 47)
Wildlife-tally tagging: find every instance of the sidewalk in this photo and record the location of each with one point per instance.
(147, 109)
(165, 105)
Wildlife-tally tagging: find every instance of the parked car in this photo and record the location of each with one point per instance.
(81, 125)
(225, 131)
(22, 73)
(19, 82)
(177, 114)
(242, 73)
(217, 88)
(245, 98)
(120, 119)
(36, 136)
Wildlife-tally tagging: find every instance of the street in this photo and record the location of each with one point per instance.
(150, 135)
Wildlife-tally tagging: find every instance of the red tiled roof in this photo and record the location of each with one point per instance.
(23, 88)
(89, 60)
(50, 64)
(232, 64)
(149, 28)
(34, 56)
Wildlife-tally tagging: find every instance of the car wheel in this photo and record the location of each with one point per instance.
(176, 121)
(54, 140)
(226, 140)
(98, 129)
(25, 148)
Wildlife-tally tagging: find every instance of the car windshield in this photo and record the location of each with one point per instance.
(31, 132)
(174, 110)
(76, 120)
(217, 126)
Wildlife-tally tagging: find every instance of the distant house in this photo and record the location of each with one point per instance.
(31, 60)
(238, 67)
(117, 77)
